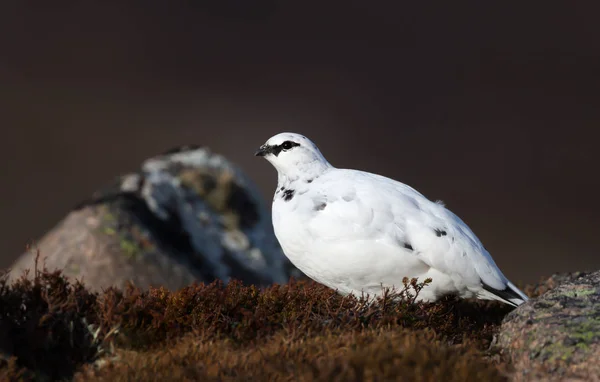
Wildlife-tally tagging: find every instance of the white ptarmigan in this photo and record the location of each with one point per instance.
(357, 232)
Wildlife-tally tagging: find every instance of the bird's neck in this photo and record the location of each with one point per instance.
(301, 176)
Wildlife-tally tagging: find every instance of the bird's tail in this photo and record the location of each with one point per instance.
(522, 296)
(510, 295)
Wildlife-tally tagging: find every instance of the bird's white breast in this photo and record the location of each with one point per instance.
(347, 245)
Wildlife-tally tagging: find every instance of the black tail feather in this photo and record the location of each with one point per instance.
(505, 294)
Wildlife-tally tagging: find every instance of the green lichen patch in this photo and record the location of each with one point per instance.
(129, 247)
(581, 291)
(109, 231)
(132, 239)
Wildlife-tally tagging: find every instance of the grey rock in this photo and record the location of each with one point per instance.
(188, 215)
(556, 336)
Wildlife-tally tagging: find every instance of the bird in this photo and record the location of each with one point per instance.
(361, 233)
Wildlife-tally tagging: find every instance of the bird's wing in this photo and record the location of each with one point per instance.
(360, 206)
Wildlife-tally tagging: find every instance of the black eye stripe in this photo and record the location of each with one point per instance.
(285, 146)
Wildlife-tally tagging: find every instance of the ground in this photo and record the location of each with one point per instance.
(55, 328)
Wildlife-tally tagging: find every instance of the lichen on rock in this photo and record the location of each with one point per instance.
(556, 336)
(188, 215)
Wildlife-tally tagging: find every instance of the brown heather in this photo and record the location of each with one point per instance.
(52, 328)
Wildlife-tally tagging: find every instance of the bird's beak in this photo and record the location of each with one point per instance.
(262, 151)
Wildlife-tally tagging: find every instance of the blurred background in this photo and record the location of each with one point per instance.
(491, 108)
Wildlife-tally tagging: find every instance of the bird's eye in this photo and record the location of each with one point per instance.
(287, 145)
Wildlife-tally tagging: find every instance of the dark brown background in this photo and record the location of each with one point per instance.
(493, 109)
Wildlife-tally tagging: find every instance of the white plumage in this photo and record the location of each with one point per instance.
(358, 232)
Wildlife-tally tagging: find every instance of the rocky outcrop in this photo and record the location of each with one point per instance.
(556, 336)
(188, 215)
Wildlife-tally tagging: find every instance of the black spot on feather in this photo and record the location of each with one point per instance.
(288, 195)
(408, 246)
(320, 206)
(440, 232)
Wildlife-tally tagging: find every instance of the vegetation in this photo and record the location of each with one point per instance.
(52, 328)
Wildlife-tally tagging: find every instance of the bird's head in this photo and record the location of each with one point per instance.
(293, 154)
